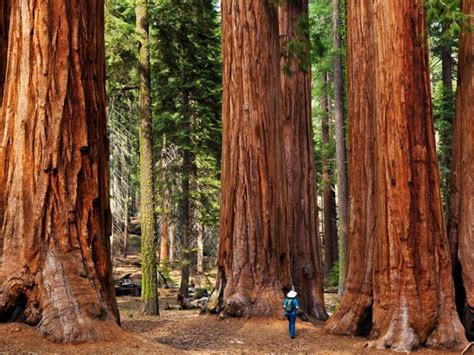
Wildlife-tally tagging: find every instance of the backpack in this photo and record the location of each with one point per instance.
(289, 305)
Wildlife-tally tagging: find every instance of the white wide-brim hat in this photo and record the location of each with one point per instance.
(291, 294)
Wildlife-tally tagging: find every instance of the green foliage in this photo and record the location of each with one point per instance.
(332, 281)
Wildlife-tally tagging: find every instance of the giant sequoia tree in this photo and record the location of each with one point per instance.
(253, 258)
(413, 295)
(461, 230)
(305, 249)
(55, 269)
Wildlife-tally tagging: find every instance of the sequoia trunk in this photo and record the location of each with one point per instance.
(253, 257)
(461, 230)
(147, 212)
(354, 315)
(413, 296)
(305, 246)
(413, 287)
(56, 266)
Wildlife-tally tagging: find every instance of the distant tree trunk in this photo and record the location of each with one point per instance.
(56, 271)
(164, 245)
(341, 150)
(165, 208)
(147, 213)
(329, 210)
(460, 227)
(253, 258)
(354, 316)
(186, 231)
(186, 224)
(413, 296)
(200, 249)
(126, 171)
(171, 235)
(302, 210)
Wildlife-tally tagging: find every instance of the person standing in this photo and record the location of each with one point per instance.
(291, 307)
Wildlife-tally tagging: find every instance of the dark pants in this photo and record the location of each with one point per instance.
(292, 321)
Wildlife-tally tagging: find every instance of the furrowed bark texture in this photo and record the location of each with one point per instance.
(305, 246)
(461, 229)
(147, 213)
(253, 257)
(56, 267)
(413, 287)
(341, 150)
(329, 196)
(355, 313)
(410, 270)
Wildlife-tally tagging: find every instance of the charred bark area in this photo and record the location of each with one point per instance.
(5, 6)
(56, 266)
(460, 227)
(302, 211)
(253, 257)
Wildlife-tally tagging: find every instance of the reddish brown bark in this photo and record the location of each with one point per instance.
(303, 221)
(412, 284)
(253, 257)
(460, 225)
(354, 314)
(56, 267)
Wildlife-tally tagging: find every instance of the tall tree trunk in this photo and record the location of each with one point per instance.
(186, 230)
(341, 150)
(329, 210)
(354, 317)
(413, 296)
(56, 267)
(302, 211)
(147, 213)
(461, 231)
(253, 258)
(413, 287)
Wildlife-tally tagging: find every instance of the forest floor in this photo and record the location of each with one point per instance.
(178, 331)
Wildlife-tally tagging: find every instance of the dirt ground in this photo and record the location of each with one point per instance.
(176, 332)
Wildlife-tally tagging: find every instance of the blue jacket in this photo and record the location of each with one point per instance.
(296, 304)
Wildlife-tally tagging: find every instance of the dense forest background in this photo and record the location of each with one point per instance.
(186, 89)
